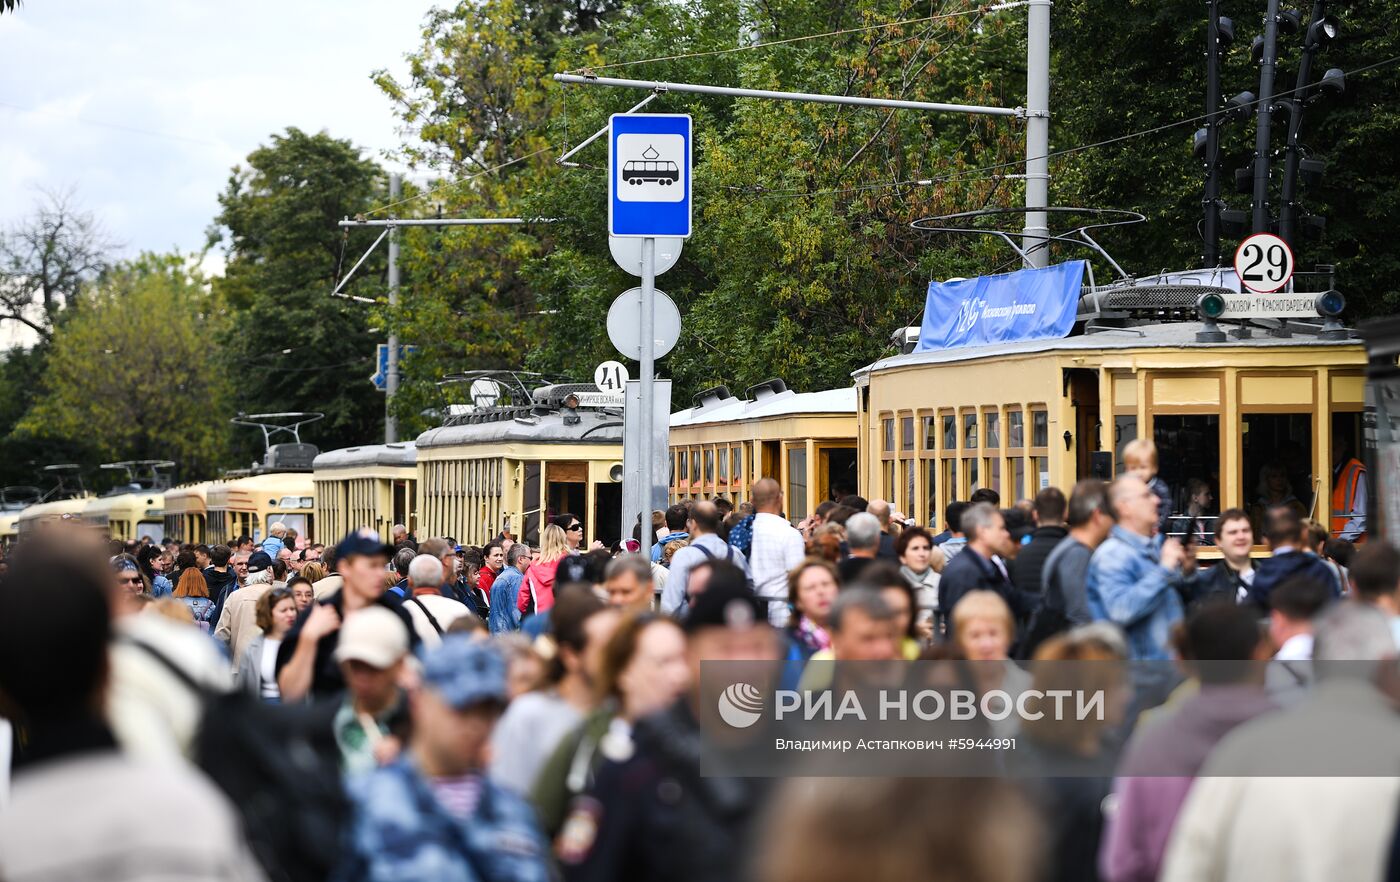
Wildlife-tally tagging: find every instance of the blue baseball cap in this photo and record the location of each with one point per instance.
(363, 541)
(465, 672)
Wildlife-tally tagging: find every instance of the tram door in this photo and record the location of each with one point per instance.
(1084, 395)
(771, 465)
(566, 490)
(607, 512)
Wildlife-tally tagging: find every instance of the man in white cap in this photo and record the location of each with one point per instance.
(373, 646)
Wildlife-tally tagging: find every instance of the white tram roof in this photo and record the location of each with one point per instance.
(780, 404)
(1169, 335)
(494, 427)
(404, 455)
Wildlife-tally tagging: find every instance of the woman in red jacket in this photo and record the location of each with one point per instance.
(537, 588)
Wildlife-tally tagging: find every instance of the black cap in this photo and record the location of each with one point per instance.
(259, 561)
(726, 602)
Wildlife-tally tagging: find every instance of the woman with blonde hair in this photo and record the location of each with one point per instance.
(983, 629)
(193, 591)
(537, 588)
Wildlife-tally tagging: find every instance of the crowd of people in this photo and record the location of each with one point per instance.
(420, 709)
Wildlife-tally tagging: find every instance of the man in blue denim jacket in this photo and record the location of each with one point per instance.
(434, 814)
(505, 591)
(1133, 575)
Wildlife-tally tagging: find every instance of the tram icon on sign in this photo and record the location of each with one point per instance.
(650, 168)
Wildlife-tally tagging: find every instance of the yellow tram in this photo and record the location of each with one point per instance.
(1016, 417)
(369, 486)
(509, 469)
(723, 444)
(130, 515)
(248, 506)
(186, 513)
(42, 514)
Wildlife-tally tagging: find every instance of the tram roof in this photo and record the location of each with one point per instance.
(594, 427)
(787, 403)
(1170, 335)
(404, 454)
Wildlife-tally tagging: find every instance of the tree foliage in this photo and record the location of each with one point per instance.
(291, 346)
(47, 257)
(132, 371)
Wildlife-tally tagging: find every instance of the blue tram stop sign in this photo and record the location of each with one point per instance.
(649, 164)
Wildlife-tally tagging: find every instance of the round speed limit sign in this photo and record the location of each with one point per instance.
(1264, 263)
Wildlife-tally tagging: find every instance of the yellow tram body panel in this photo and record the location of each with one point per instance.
(807, 441)
(503, 473)
(187, 513)
(128, 516)
(9, 527)
(36, 516)
(1017, 417)
(368, 486)
(249, 505)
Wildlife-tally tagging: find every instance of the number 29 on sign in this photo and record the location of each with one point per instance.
(1264, 263)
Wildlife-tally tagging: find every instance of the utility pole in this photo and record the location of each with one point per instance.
(391, 379)
(1267, 67)
(1210, 200)
(1288, 209)
(1033, 238)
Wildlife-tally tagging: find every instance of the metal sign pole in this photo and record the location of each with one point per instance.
(647, 378)
(391, 380)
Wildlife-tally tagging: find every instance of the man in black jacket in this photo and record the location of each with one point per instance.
(1050, 528)
(1288, 543)
(980, 566)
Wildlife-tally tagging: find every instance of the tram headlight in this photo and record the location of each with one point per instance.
(1330, 304)
(1211, 306)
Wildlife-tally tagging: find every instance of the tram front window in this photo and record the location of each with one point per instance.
(1188, 460)
(1276, 456)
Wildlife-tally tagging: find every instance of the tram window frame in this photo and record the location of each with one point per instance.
(722, 465)
(1344, 409)
(1015, 439)
(991, 464)
(927, 482)
(906, 433)
(694, 469)
(947, 459)
(709, 468)
(796, 502)
(969, 424)
(1039, 454)
(1251, 466)
(887, 448)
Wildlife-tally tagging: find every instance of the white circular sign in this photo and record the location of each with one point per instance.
(627, 253)
(625, 324)
(611, 376)
(1264, 263)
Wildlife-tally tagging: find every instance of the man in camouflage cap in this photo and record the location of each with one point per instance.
(434, 814)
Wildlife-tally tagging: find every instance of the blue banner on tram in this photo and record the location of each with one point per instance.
(1030, 304)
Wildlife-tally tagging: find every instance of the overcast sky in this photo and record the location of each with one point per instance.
(204, 82)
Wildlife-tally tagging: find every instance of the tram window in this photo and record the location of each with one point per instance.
(1042, 472)
(950, 478)
(906, 501)
(993, 473)
(683, 472)
(887, 427)
(1040, 428)
(796, 497)
(930, 434)
(1124, 430)
(1018, 476)
(709, 466)
(931, 513)
(1015, 429)
(993, 429)
(723, 466)
(837, 477)
(694, 468)
(739, 462)
(887, 479)
(969, 431)
(906, 433)
(530, 502)
(970, 467)
(950, 432)
(1188, 449)
(1276, 456)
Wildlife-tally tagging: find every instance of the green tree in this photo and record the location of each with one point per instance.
(134, 370)
(803, 262)
(291, 346)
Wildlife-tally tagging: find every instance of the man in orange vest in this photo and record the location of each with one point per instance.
(1349, 497)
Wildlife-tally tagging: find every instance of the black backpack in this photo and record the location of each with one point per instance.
(278, 766)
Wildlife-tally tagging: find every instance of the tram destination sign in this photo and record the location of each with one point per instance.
(1263, 306)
